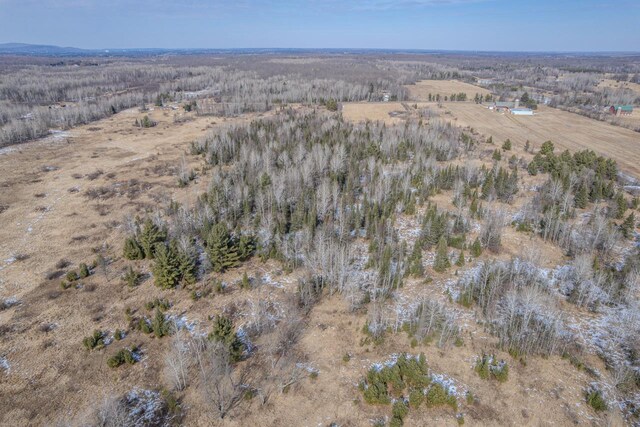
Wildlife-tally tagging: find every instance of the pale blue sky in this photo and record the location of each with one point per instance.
(514, 25)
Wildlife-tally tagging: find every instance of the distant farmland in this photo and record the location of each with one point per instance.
(421, 90)
(566, 130)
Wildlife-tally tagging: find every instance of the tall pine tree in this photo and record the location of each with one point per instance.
(441, 262)
(151, 235)
(221, 248)
(166, 270)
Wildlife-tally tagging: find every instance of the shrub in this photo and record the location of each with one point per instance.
(159, 324)
(94, 341)
(596, 400)
(507, 145)
(123, 356)
(144, 326)
(132, 249)
(488, 367)
(159, 303)
(131, 277)
(84, 270)
(146, 122)
(399, 412)
(246, 283)
(437, 395)
(72, 276)
(416, 397)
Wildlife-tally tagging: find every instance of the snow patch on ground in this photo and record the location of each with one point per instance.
(146, 407)
(4, 364)
(182, 323)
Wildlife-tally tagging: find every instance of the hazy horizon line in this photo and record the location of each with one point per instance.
(405, 49)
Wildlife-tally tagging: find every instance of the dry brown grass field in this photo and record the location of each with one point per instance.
(388, 112)
(619, 85)
(421, 90)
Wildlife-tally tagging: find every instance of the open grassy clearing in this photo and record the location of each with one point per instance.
(388, 112)
(421, 90)
(608, 83)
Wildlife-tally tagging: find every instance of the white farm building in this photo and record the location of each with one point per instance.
(522, 111)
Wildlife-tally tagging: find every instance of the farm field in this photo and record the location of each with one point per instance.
(566, 130)
(383, 111)
(421, 90)
(609, 83)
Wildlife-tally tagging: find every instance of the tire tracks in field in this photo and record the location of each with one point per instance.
(522, 125)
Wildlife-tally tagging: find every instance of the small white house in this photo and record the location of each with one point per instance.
(522, 111)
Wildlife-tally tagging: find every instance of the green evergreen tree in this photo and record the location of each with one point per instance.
(166, 270)
(596, 191)
(222, 250)
(132, 249)
(547, 148)
(223, 332)
(441, 262)
(187, 265)
(507, 145)
(488, 186)
(151, 235)
(476, 248)
(620, 205)
(416, 268)
(473, 208)
(628, 225)
(246, 247)
(159, 324)
(582, 197)
(460, 262)
(496, 155)
(246, 283)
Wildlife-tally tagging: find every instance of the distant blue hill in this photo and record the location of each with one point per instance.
(37, 49)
